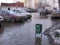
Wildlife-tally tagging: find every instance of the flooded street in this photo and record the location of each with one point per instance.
(23, 33)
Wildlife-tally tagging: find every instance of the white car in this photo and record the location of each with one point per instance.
(27, 15)
(12, 16)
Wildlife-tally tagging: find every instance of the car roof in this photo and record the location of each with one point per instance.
(11, 12)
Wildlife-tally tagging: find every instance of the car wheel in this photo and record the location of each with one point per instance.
(29, 17)
(12, 19)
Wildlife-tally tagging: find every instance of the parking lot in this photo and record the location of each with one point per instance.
(23, 33)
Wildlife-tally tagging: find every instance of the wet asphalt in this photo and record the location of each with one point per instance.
(23, 33)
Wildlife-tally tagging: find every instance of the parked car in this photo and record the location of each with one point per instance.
(27, 15)
(12, 16)
(46, 10)
(56, 13)
(1, 20)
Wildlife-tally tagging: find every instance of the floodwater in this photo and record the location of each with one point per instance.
(23, 33)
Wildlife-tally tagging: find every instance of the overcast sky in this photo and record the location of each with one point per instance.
(8, 1)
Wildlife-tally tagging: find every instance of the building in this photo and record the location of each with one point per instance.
(5, 6)
(52, 3)
(30, 3)
(37, 3)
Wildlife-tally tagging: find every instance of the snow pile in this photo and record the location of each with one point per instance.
(56, 36)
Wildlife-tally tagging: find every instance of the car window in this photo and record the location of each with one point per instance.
(18, 11)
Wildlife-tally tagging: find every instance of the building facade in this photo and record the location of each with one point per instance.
(12, 6)
(36, 3)
(53, 3)
(59, 4)
(30, 3)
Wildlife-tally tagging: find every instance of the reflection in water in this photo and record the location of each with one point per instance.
(1, 30)
(10, 24)
(37, 41)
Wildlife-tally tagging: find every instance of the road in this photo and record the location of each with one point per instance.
(23, 33)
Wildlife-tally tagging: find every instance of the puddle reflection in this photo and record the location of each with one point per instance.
(10, 24)
(1, 30)
(38, 41)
